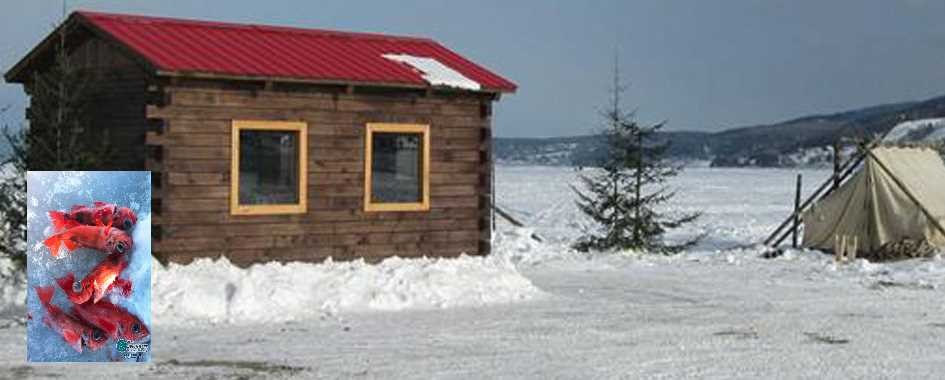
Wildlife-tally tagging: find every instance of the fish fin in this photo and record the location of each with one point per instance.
(45, 293)
(53, 243)
(59, 220)
(123, 285)
(100, 203)
(98, 292)
(65, 282)
(77, 207)
(74, 339)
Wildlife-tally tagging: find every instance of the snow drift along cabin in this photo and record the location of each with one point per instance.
(274, 143)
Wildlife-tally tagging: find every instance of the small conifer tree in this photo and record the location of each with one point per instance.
(622, 197)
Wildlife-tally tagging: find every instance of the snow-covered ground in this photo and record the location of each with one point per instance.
(539, 310)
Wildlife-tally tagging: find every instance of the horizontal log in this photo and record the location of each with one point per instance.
(176, 178)
(195, 139)
(197, 166)
(338, 234)
(197, 192)
(175, 152)
(453, 190)
(453, 178)
(153, 138)
(191, 205)
(312, 217)
(282, 99)
(187, 126)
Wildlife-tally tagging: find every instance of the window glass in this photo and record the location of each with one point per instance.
(396, 167)
(268, 167)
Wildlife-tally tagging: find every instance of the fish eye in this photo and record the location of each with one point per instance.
(97, 335)
(135, 328)
(76, 286)
(127, 223)
(120, 247)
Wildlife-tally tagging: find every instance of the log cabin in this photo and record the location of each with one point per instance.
(272, 143)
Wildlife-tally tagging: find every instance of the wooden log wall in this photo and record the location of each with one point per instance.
(194, 183)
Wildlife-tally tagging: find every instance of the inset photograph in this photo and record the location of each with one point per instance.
(88, 266)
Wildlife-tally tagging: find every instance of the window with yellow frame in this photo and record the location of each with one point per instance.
(268, 167)
(397, 167)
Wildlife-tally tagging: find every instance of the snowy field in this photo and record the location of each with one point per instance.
(537, 310)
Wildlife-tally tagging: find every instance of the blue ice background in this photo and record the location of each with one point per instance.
(48, 191)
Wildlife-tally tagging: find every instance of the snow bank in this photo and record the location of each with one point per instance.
(217, 291)
(12, 285)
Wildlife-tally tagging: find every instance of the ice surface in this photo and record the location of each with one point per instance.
(435, 72)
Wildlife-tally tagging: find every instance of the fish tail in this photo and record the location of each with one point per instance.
(45, 294)
(53, 243)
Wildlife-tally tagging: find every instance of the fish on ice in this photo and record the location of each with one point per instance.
(103, 238)
(102, 279)
(100, 214)
(74, 331)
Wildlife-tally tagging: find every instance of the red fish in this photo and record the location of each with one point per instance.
(100, 214)
(115, 321)
(73, 331)
(98, 282)
(106, 239)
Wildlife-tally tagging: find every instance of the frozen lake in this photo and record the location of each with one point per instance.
(546, 312)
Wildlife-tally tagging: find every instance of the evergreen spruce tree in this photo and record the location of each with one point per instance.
(13, 197)
(622, 197)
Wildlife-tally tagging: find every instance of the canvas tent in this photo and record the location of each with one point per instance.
(898, 194)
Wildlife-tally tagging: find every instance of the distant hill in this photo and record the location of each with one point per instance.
(799, 141)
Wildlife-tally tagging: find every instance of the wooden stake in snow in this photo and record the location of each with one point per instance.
(514, 221)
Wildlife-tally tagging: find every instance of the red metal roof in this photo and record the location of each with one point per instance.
(174, 45)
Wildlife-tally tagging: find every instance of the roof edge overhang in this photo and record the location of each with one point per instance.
(336, 82)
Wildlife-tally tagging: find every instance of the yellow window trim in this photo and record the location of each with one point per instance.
(423, 129)
(268, 209)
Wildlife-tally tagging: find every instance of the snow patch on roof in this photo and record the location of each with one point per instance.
(434, 72)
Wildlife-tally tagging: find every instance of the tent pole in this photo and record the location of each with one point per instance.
(836, 164)
(912, 197)
(797, 211)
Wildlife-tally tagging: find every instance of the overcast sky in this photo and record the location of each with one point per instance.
(701, 65)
